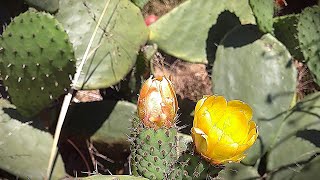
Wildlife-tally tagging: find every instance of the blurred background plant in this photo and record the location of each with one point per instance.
(265, 53)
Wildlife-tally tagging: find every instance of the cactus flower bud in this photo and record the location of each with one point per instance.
(223, 130)
(157, 103)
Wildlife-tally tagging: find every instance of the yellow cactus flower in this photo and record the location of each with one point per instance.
(223, 130)
(157, 103)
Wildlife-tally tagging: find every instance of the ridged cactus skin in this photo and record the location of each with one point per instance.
(263, 11)
(308, 35)
(36, 61)
(285, 30)
(154, 152)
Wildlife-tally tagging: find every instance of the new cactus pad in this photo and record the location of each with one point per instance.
(154, 152)
(36, 61)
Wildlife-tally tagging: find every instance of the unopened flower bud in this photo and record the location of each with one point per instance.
(157, 103)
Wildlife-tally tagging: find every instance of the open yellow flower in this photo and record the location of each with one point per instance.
(223, 130)
(157, 103)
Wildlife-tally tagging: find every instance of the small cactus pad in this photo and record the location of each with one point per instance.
(36, 61)
(191, 165)
(309, 38)
(154, 152)
(263, 10)
(286, 32)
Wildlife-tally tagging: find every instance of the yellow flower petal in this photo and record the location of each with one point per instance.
(223, 130)
(200, 139)
(234, 124)
(210, 112)
(237, 105)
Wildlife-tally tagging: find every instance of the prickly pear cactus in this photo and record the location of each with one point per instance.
(154, 152)
(112, 177)
(257, 69)
(308, 35)
(47, 5)
(263, 10)
(25, 145)
(140, 3)
(192, 166)
(296, 147)
(118, 39)
(181, 26)
(36, 61)
(285, 30)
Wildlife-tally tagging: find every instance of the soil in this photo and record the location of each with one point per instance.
(190, 80)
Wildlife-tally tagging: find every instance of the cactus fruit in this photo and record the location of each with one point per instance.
(263, 11)
(154, 152)
(308, 35)
(286, 32)
(36, 61)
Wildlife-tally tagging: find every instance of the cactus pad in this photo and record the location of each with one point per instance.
(116, 44)
(191, 165)
(154, 152)
(24, 146)
(286, 32)
(309, 38)
(47, 5)
(297, 141)
(36, 61)
(256, 69)
(178, 33)
(263, 10)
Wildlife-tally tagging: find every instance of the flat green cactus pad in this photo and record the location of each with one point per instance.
(24, 148)
(309, 38)
(256, 69)
(191, 29)
(286, 32)
(36, 61)
(297, 142)
(106, 122)
(238, 171)
(263, 10)
(118, 40)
